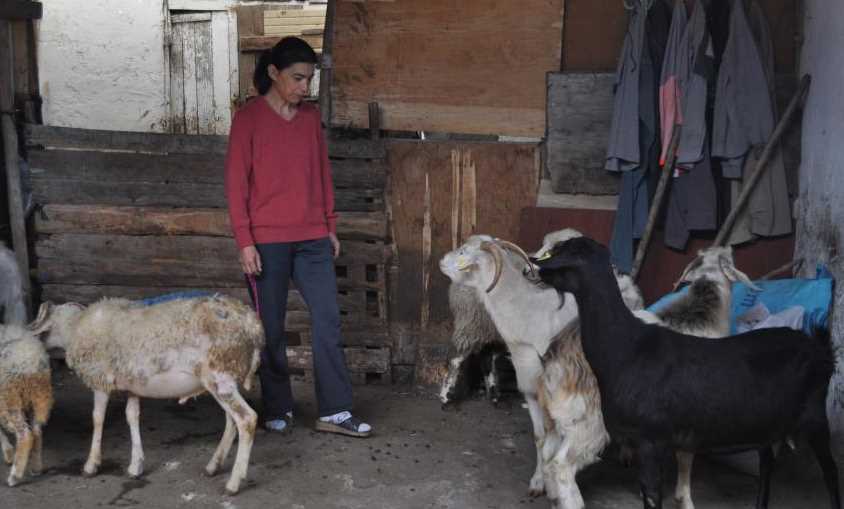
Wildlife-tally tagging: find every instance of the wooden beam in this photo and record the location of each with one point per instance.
(10, 148)
(20, 9)
(158, 143)
(110, 220)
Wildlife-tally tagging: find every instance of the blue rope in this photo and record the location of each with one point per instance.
(189, 294)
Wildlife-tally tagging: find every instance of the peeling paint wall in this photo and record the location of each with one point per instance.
(101, 64)
(820, 225)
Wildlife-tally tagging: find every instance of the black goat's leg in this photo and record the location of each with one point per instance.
(820, 443)
(766, 468)
(650, 457)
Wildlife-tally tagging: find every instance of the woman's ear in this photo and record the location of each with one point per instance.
(272, 72)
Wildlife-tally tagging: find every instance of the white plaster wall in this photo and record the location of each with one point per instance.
(101, 64)
(820, 225)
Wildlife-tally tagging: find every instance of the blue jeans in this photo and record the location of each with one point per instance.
(311, 265)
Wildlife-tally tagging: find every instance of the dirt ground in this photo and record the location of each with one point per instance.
(420, 457)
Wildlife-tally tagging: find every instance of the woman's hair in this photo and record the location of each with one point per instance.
(286, 52)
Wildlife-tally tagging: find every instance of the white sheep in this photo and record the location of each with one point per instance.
(25, 390)
(174, 349)
(11, 291)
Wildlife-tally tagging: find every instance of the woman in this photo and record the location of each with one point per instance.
(281, 205)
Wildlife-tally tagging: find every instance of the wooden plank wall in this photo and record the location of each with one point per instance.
(138, 215)
(441, 193)
(444, 66)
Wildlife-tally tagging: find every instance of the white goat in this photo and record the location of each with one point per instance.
(25, 390)
(527, 316)
(174, 349)
(11, 291)
(475, 347)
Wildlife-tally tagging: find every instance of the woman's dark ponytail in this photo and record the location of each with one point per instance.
(286, 52)
(261, 79)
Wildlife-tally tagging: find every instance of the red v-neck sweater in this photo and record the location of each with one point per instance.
(278, 179)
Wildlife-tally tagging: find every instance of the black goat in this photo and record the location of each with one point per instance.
(662, 391)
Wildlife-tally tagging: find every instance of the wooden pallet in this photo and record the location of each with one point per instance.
(137, 215)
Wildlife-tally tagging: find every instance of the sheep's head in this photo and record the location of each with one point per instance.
(480, 260)
(715, 263)
(562, 267)
(56, 322)
(555, 237)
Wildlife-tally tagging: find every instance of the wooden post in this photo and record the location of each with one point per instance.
(326, 70)
(374, 121)
(748, 187)
(10, 148)
(659, 194)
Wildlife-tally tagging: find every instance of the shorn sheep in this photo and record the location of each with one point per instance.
(26, 398)
(662, 390)
(174, 349)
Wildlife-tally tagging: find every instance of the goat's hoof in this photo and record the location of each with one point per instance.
(36, 471)
(135, 473)
(534, 493)
(90, 470)
(211, 469)
(13, 480)
(233, 486)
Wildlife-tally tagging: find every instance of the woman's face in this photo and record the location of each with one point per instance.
(292, 83)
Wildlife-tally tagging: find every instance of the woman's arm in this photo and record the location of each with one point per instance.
(327, 189)
(238, 170)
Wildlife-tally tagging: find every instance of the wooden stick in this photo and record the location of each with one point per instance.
(657, 201)
(326, 70)
(10, 147)
(748, 187)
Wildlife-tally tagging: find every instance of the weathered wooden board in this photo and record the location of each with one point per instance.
(366, 360)
(496, 57)
(580, 107)
(179, 221)
(163, 261)
(262, 42)
(176, 194)
(177, 167)
(500, 178)
(593, 35)
(157, 143)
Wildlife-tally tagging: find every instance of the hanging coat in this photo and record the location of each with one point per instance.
(686, 72)
(634, 196)
(743, 121)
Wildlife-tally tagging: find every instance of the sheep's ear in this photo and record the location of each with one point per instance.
(43, 321)
(733, 274)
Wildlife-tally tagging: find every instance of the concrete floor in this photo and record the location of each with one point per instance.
(420, 457)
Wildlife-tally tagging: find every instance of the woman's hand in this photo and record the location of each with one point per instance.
(250, 261)
(335, 243)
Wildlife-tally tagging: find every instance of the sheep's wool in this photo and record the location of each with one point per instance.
(117, 340)
(20, 354)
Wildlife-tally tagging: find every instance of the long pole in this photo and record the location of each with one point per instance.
(748, 187)
(10, 149)
(659, 194)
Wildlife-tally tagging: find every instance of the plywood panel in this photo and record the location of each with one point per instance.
(579, 115)
(471, 67)
(502, 178)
